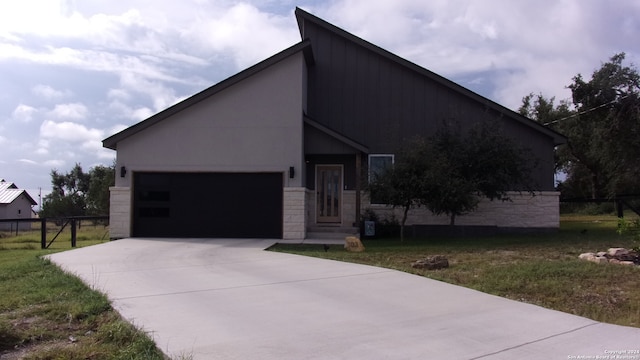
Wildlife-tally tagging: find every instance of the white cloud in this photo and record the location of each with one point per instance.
(27, 161)
(95, 147)
(116, 129)
(159, 93)
(119, 94)
(244, 33)
(120, 110)
(69, 131)
(49, 93)
(73, 111)
(142, 113)
(24, 113)
(54, 163)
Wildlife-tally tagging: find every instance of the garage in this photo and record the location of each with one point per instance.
(208, 205)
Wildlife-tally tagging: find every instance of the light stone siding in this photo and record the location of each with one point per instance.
(120, 212)
(294, 221)
(524, 210)
(349, 208)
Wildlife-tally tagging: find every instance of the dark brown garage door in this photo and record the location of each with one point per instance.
(208, 205)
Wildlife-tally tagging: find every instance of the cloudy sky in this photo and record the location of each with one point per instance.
(73, 72)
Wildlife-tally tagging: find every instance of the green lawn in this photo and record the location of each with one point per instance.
(47, 314)
(541, 269)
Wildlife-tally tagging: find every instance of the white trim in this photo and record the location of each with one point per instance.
(393, 160)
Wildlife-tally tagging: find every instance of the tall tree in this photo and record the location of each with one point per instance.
(102, 177)
(605, 139)
(602, 124)
(67, 197)
(483, 163)
(78, 193)
(402, 184)
(546, 112)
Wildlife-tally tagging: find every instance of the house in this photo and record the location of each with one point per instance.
(278, 150)
(14, 204)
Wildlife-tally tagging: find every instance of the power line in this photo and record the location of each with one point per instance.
(586, 111)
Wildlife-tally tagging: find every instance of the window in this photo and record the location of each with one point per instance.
(378, 163)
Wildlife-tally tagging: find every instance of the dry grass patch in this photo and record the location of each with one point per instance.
(47, 314)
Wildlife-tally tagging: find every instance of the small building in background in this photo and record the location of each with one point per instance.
(15, 203)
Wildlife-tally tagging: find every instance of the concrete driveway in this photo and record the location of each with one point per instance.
(229, 299)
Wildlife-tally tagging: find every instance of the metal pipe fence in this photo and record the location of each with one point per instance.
(46, 224)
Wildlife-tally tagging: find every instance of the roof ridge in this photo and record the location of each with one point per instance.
(8, 195)
(302, 15)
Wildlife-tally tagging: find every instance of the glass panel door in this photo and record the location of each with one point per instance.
(329, 193)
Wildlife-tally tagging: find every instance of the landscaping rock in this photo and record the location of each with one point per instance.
(613, 256)
(353, 244)
(432, 263)
(587, 256)
(630, 256)
(614, 252)
(600, 260)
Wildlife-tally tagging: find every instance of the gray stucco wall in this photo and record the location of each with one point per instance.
(253, 126)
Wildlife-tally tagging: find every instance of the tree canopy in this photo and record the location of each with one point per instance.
(451, 171)
(602, 124)
(77, 193)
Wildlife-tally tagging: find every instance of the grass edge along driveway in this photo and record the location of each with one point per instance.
(48, 314)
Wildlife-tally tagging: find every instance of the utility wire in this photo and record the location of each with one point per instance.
(586, 111)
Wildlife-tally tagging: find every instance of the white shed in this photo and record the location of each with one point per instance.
(14, 204)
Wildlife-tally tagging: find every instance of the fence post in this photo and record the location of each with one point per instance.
(43, 233)
(73, 232)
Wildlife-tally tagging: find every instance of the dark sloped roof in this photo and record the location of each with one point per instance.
(304, 46)
(303, 16)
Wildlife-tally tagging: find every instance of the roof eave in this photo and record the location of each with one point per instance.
(336, 135)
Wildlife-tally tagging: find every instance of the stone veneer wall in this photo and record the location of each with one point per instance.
(120, 212)
(349, 208)
(541, 211)
(294, 220)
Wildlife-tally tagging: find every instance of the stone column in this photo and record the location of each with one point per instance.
(119, 212)
(294, 223)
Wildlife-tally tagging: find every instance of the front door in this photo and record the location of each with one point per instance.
(329, 193)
